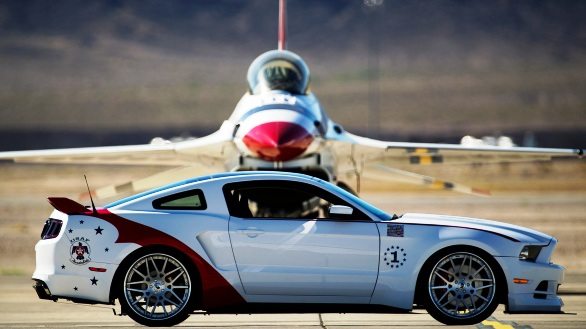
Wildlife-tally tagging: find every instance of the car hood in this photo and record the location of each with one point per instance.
(516, 232)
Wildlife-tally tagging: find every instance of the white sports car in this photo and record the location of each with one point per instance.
(276, 241)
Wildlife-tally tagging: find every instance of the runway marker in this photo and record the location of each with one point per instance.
(492, 322)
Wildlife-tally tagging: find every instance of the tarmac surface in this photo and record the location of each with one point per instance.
(21, 308)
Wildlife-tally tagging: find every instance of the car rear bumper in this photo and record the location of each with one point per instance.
(57, 277)
(42, 290)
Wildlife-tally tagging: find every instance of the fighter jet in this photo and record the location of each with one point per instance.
(279, 124)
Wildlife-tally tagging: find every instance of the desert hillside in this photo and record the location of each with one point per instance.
(76, 73)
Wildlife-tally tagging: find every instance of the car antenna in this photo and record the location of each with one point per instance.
(90, 194)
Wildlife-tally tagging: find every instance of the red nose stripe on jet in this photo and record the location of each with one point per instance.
(277, 141)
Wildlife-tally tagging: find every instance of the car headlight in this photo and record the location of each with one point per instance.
(530, 253)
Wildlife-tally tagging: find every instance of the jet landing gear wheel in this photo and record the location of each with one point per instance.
(461, 289)
(157, 290)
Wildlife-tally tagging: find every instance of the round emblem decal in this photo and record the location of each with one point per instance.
(80, 251)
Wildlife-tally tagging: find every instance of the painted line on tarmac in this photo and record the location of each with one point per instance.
(493, 323)
(321, 322)
(572, 293)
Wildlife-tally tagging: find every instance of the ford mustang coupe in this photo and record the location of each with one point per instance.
(275, 241)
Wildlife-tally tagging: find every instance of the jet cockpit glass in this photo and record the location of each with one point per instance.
(278, 70)
(279, 75)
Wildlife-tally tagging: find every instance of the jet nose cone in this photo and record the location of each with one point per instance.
(278, 141)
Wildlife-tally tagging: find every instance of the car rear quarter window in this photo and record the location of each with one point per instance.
(187, 200)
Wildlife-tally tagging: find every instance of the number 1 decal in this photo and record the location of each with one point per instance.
(395, 258)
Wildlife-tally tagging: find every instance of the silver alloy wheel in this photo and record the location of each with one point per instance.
(461, 285)
(157, 287)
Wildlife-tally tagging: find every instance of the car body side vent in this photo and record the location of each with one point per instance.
(542, 286)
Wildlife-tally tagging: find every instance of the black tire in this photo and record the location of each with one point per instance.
(460, 286)
(157, 289)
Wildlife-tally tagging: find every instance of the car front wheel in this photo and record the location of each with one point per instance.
(157, 290)
(461, 288)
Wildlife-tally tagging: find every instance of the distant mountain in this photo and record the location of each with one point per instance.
(77, 72)
(449, 27)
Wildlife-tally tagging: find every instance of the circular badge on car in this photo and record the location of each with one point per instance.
(80, 251)
(395, 256)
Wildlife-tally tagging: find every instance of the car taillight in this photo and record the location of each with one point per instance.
(51, 229)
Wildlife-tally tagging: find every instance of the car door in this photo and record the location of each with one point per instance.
(284, 242)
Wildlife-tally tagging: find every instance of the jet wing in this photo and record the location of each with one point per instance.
(356, 151)
(208, 150)
(363, 157)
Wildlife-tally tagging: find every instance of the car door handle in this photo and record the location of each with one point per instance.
(251, 232)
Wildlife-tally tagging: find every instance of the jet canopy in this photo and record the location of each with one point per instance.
(278, 70)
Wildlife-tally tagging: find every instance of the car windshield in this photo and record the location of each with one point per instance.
(383, 216)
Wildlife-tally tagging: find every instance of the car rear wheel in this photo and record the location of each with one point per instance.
(461, 288)
(157, 290)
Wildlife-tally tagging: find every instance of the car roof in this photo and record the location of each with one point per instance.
(250, 174)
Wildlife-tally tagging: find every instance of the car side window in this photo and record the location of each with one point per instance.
(282, 199)
(187, 200)
(277, 202)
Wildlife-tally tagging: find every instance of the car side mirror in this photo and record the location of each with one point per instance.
(340, 210)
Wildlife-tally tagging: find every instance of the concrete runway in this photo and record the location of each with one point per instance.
(20, 308)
